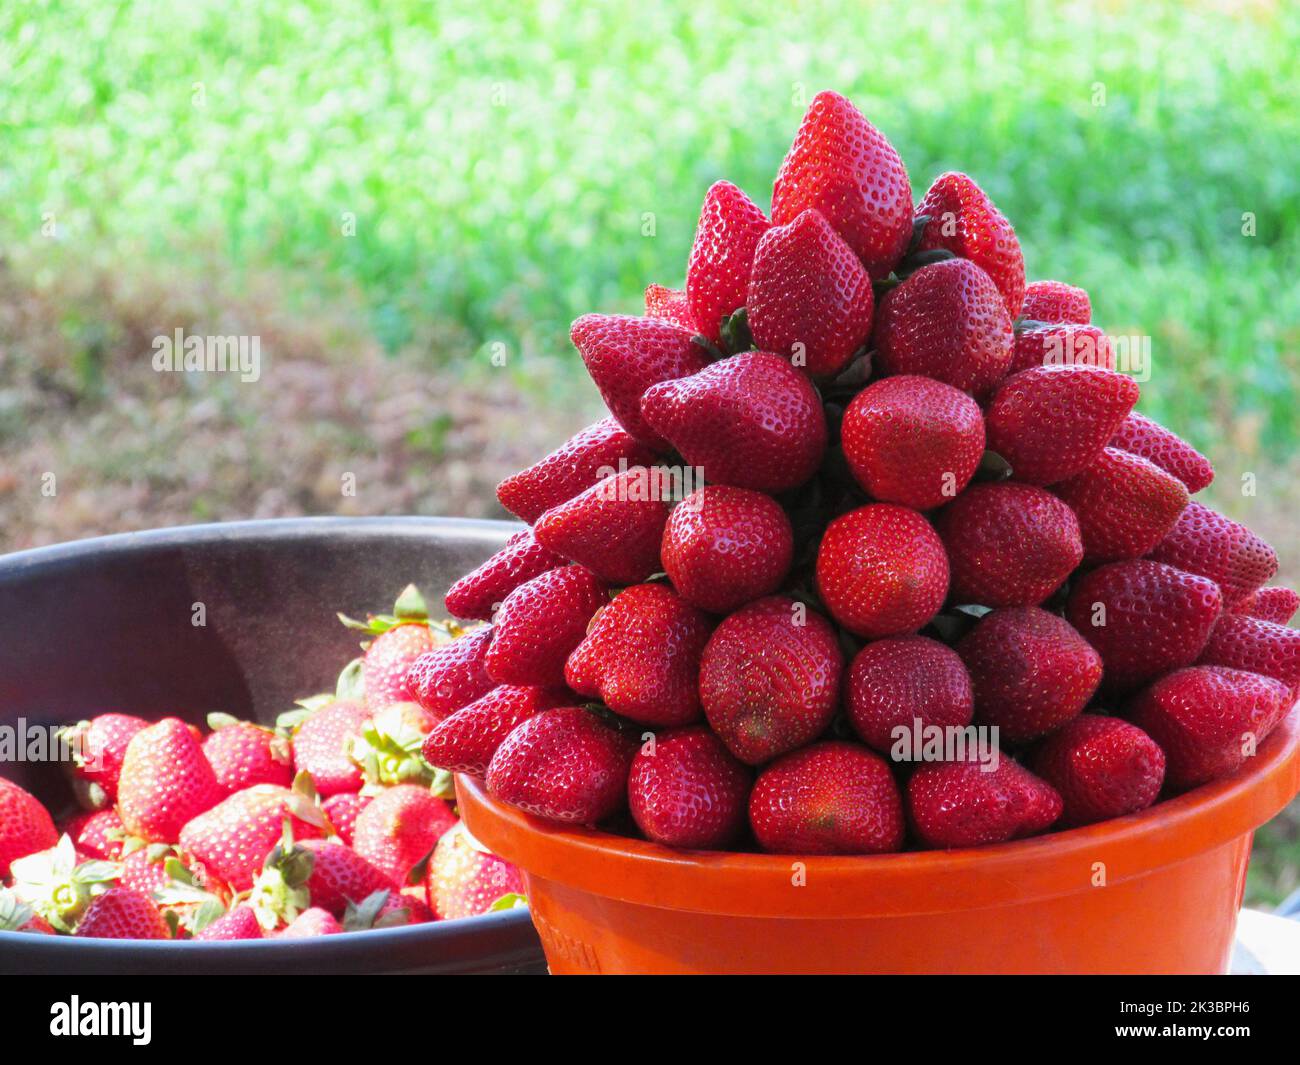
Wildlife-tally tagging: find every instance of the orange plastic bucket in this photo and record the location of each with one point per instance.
(1156, 892)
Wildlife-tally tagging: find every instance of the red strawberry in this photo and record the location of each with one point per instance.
(120, 913)
(19, 916)
(479, 593)
(1062, 345)
(1204, 541)
(145, 870)
(466, 741)
(1055, 301)
(963, 220)
(752, 421)
(641, 656)
(336, 874)
(946, 321)
(575, 465)
(717, 277)
(323, 743)
(1008, 544)
(398, 830)
(912, 440)
(465, 880)
(960, 804)
(97, 834)
(540, 624)
(829, 798)
(1031, 671)
(770, 678)
(1052, 422)
(387, 660)
(239, 923)
(613, 528)
(165, 782)
(386, 909)
(1102, 767)
(1209, 719)
(342, 811)
(625, 356)
(1144, 618)
(669, 305)
(1141, 436)
(564, 764)
(312, 923)
(809, 300)
(98, 746)
(724, 547)
(1277, 605)
(844, 167)
(454, 674)
(896, 682)
(25, 825)
(1125, 506)
(1256, 646)
(686, 790)
(243, 754)
(882, 571)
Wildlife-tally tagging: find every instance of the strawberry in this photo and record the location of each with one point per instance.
(97, 834)
(56, 883)
(1125, 506)
(809, 299)
(145, 870)
(946, 321)
(323, 743)
(120, 913)
(18, 916)
(466, 741)
(625, 356)
(896, 682)
(1277, 605)
(566, 764)
(1256, 646)
(1204, 541)
(1139, 435)
(613, 528)
(478, 594)
(641, 656)
(770, 678)
(319, 873)
(686, 790)
(243, 754)
(312, 923)
(99, 745)
(539, 625)
(669, 305)
(1055, 301)
(25, 825)
(963, 220)
(1208, 720)
(1061, 345)
(828, 798)
(165, 782)
(724, 547)
(465, 879)
(752, 421)
(239, 923)
(1031, 671)
(882, 571)
(453, 674)
(397, 831)
(717, 277)
(575, 465)
(1052, 422)
(342, 811)
(1102, 767)
(386, 909)
(960, 804)
(387, 660)
(1008, 544)
(844, 167)
(912, 440)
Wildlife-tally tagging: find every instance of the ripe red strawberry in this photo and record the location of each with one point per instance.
(575, 465)
(752, 421)
(1102, 767)
(770, 678)
(1209, 720)
(239, 923)
(829, 798)
(1052, 422)
(1204, 541)
(453, 674)
(342, 811)
(844, 167)
(311, 923)
(565, 764)
(959, 804)
(809, 300)
(686, 790)
(339, 875)
(1031, 671)
(669, 305)
(96, 834)
(1141, 436)
(614, 528)
(478, 594)
(323, 743)
(25, 825)
(540, 624)
(120, 913)
(1277, 605)
(165, 782)
(1008, 544)
(386, 909)
(625, 356)
(1062, 345)
(946, 321)
(466, 741)
(1256, 646)
(398, 830)
(243, 754)
(717, 277)
(465, 880)
(963, 220)
(1055, 301)
(16, 915)
(641, 656)
(896, 682)
(98, 746)
(387, 660)
(724, 547)
(1144, 618)
(145, 870)
(882, 571)
(1125, 506)
(912, 440)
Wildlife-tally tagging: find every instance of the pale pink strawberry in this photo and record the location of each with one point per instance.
(387, 660)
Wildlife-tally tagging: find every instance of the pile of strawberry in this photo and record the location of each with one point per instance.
(928, 501)
(329, 822)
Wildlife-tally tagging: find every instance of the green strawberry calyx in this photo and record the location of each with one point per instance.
(59, 888)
